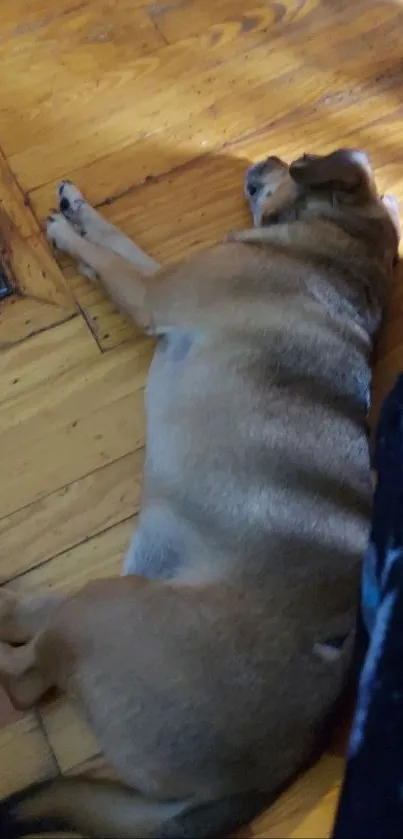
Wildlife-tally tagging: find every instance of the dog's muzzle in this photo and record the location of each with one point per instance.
(255, 189)
(253, 182)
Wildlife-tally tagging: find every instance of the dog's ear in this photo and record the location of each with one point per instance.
(346, 170)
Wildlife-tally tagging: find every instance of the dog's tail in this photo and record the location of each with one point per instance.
(98, 808)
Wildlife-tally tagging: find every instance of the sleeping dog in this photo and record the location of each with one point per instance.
(208, 669)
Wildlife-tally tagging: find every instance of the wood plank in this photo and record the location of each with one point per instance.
(67, 410)
(22, 318)
(313, 794)
(44, 359)
(14, 204)
(83, 97)
(27, 260)
(35, 270)
(8, 714)
(20, 18)
(64, 455)
(179, 20)
(319, 822)
(94, 766)
(76, 391)
(100, 556)
(25, 756)
(182, 225)
(68, 733)
(30, 267)
(163, 89)
(71, 25)
(71, 515)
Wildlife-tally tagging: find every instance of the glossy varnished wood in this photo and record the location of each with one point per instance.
(154, 109)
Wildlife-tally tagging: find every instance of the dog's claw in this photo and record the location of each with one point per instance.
(70, 205)
(61, 187)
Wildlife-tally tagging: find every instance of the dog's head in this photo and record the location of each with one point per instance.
(340, 186)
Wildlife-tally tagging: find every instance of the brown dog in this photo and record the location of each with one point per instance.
(207, 672)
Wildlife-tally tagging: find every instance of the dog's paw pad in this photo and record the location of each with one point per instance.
(70, 201)
(64, 205)
(66, 189)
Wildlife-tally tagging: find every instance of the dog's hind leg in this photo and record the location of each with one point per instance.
(110, 810)
(90, 807)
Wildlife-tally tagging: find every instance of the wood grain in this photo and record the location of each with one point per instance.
(21, 318)
(32, 272)
(61, 400)
(75, 513)
(14, 204)
(75, 385)
(25, 755)
(186, 80)
(101, 556)
(69, 453)
(300, 811)
(36, 273)
(68, 733)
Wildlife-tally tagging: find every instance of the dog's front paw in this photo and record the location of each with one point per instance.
(59, 231)
(71, 203)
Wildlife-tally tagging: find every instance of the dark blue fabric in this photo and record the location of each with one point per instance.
(371, 803)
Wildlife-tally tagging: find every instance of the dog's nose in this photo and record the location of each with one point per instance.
(253, 180)
(251, 189)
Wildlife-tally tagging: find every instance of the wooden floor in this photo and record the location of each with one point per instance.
(154, 109)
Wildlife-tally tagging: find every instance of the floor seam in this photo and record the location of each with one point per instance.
(58, 554)
(52, 752)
